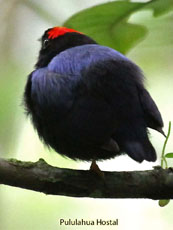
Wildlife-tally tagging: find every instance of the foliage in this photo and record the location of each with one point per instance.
(108, 23)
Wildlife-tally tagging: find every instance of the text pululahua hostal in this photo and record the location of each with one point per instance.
(83, 222)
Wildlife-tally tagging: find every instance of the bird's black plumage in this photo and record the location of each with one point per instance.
(89, 102)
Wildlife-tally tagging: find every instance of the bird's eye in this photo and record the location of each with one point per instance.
(45, 43)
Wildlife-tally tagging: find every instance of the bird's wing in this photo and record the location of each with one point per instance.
(151, 112)
(123, 79)
(116, 82)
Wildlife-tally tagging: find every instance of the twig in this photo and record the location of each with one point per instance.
(164, 147)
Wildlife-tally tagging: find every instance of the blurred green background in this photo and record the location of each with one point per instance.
(22, 23)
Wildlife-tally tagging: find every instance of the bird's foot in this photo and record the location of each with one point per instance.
(95, 168)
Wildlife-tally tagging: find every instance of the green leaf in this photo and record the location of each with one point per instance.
(163, 203)
(169, 155)
(161, 6)
(108, 23)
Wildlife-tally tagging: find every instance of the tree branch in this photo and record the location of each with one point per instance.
(41, 177)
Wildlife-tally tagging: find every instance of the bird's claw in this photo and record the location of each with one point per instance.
(95, 168)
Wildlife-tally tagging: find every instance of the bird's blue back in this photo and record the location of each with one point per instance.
(72, 61)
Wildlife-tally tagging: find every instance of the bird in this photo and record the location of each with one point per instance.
(88, 102)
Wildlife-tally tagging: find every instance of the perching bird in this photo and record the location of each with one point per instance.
(88, 101)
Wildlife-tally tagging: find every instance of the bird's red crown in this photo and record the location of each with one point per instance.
(58, 31)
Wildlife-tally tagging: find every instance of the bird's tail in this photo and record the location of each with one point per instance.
(136, 144)
(140, 151)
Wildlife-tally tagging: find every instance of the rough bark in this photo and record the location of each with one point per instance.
(41, 177)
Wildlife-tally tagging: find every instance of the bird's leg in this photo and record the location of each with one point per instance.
(95, 168)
